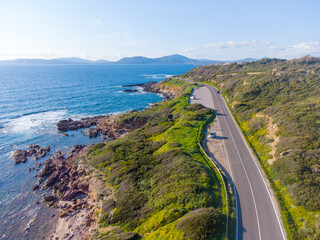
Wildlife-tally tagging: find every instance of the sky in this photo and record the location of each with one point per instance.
(202, 29)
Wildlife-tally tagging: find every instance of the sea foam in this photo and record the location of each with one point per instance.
(35, 123)
(157, 76)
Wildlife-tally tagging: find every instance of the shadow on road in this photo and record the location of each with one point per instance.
(241, 229)
(220, 114)
(220, 137)
(232, 220)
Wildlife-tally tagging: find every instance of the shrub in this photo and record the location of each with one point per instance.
(201, 224)
(288, 92)
(157, 168)
(123, 236)
(195, 107)
(175, 145)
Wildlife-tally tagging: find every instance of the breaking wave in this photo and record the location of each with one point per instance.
(34, 123)
(157, 76)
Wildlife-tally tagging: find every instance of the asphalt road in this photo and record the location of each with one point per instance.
(257, 215)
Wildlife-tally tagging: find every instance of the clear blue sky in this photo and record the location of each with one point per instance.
(103, 29)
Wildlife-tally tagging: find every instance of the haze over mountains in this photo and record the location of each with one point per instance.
(171, 59)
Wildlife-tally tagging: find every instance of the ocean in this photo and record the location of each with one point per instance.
(33, 98)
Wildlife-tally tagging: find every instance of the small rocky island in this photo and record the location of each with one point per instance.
(130, 90)
(20, 156)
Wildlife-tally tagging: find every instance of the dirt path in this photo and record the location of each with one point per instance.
(272, 130)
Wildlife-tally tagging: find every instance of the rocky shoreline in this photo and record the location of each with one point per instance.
(69, 178)
(70, 194)
(106, 126)
(75, 186)
(154, 87)
(20, 156)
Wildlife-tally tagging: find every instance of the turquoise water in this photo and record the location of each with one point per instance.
(33, 98)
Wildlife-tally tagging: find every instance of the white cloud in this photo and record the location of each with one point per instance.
(189, 50)
(255, 44)
(301, 49)
(98, 21)
(309, 47)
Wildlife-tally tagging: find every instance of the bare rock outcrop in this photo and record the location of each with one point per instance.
(19, 156)
(67, 125)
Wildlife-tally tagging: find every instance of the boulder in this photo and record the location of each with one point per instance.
(49, 198)
(36, 186)
(37, 152)
(20, 156)
(130, 90)
(71, 194)
(84, 185)
(51, 180)
(91, 132)
(34, 146)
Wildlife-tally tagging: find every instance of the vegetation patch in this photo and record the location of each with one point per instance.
(158, 172)
(288, 92)
(201, 223)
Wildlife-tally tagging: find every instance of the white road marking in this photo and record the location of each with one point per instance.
(234, 187)
(265, 184)
(245, 171)
(254, 160)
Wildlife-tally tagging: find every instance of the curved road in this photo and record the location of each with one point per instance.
(257, 213)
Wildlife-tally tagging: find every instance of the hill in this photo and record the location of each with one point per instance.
(277, 104)
(163, 186)
(172, 59)
(53, 61)
(138, 60)
(71, 60)
(177, 59)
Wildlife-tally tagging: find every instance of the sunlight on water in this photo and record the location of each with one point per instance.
(33, 99)
(36, 123)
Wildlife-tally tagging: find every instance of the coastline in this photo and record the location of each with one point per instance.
(66, 93)
(77, 207)
(133, 182)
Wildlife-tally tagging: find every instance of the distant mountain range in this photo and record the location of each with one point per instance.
(172, 59)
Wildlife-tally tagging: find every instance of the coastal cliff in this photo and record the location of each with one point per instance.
(148, 179)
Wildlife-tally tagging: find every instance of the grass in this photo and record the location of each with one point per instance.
(160, 174)
(287, 91)
(228, 206)
(174, 82)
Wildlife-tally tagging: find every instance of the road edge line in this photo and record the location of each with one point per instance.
(255, 161)
(219, 171)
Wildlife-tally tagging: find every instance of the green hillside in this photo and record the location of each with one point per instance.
(162, 185)
(277, 104)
